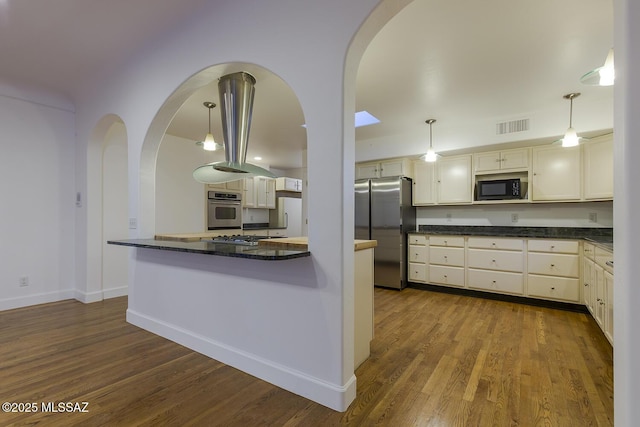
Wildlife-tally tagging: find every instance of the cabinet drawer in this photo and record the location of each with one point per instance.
(452, 241)
(554, 264)
(501, 243)
(276, 233)
(496, 281)
(560, 288)
(417, 254)
(446, 256)
(495, 260)
(589, 251)
(601, 257)
(553, 246)
(417, 272)
(446, 275)
(417, 239)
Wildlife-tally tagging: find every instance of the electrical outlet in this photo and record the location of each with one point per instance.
(251, 218)
(133, 223)
(449, 216)
(514, 217)
(23, 281)
(593, 217)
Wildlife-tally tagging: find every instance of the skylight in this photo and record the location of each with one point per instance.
(363, 118)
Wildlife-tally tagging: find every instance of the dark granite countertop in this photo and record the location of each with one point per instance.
(208, 248)
(600, 236)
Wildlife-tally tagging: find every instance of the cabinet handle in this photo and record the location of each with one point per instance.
(586, 284)
(553, 265)
(601, 302)
(493, 261)
(553, 289)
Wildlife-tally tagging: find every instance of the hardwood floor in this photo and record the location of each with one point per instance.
(437, 360)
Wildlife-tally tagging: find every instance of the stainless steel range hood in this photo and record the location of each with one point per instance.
(236, 105)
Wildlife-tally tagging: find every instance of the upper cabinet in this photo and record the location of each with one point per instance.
(501, 161)
(424, 178)
(383, 169)
(557, 173)
(265, 192)
(447, 181)
(454, 179)
(289, 184)
(598, 168)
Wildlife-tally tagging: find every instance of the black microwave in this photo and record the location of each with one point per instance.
(499, 189)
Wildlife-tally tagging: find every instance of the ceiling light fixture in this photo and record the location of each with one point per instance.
(431, 155)
(209, 143)
(571, 139)
(601, 76)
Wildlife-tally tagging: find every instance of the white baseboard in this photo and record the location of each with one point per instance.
(88, 297)
(42, 298)
(115, 292)
(336, 397)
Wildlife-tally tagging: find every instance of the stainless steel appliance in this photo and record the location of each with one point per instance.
(224, 210)
(500, 189)
(237, 239)
(383, 212)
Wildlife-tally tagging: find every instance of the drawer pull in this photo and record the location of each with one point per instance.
(552, 247)
(493, 261)
(553, 265)
(586, 284)
(553, 289)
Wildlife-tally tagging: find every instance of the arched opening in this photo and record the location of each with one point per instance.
(107, 209)
(179, 200)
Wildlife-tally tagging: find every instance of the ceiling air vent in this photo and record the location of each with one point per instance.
(512, 126)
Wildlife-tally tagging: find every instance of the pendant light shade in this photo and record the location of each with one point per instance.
(571, 138)
(209, 143)
(431, 155)
(601, 76)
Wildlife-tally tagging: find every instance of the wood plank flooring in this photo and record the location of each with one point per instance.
(437, 360)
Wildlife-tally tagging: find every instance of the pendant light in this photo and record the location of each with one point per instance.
(601, 76)
(431, 155)
(209, 143)
(571, 139)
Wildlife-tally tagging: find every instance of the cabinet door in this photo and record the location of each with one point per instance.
(235, 185)
(249, 194)
(454, 179)
(486, 162)
(270, 197)
(556, 173)
(600, 296)
(423, 183)
(589, 287)
(367, 170)
(260, 188)
(608, 306)
(392, 168)
(515, 159)
(598, 169)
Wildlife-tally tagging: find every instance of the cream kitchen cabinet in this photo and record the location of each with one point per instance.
(501, 161)
(556, 173)
(454, 179)
(418, 258)
(598, 168)
(447, 260)
(604, 291)
(424, 174)
(248, 193)
(496, 264)
(288, 184)
(553, 269)
(383, 169)
(588, 277)
(265, 192)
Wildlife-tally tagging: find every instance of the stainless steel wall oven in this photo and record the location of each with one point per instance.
(224, 210)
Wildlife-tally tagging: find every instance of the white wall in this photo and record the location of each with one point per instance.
(115, 216)
(37, 184)
(529, 215)
(180, 199)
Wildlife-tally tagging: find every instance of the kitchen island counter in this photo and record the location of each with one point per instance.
(220, 249)
(302, 243)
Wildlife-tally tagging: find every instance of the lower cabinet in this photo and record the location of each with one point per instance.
(569, 271)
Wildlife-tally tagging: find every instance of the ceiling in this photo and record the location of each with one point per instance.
(467, 64)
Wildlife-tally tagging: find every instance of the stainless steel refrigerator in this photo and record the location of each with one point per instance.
(383, 212)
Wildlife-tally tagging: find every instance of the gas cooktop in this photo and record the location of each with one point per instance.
(237, 239)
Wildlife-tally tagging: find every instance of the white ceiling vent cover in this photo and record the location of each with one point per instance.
(512, 126)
